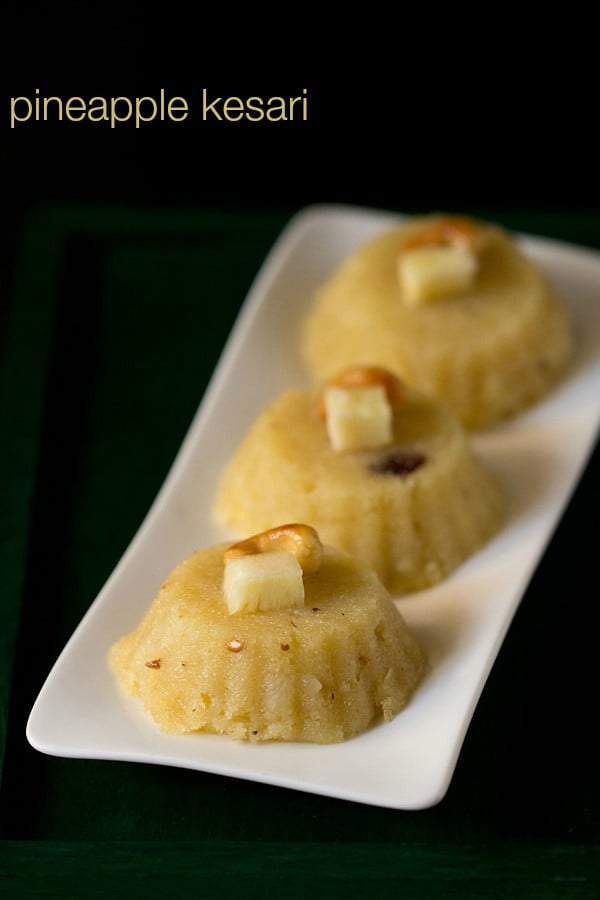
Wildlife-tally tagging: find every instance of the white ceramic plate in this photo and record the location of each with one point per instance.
(408, 763)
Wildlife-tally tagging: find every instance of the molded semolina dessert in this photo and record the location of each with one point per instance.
(265, 646)
(380, 470)
(452, 306)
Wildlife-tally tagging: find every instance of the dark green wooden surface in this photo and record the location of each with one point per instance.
(118, 319)
(233, 869)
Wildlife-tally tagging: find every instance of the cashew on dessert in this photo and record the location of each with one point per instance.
(379, 469)
(247, 642)
(454, 307)
(300, 540)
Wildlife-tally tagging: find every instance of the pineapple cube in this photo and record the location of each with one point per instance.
(358, 418)
(262, 581)
(428, 273)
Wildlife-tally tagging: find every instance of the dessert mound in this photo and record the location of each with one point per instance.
(413, 509)
(457, 311)
(320, 671)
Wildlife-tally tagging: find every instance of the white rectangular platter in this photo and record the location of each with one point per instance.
(540, 455)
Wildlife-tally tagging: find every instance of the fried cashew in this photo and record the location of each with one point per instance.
(301, 540)
(457, 230)
(366, 376)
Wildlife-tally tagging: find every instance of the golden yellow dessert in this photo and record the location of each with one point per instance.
(321, 665)
(452, 306)
(399, 487)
